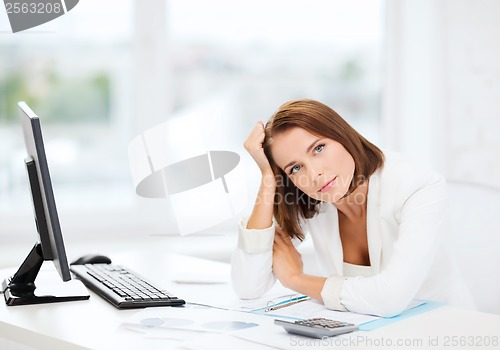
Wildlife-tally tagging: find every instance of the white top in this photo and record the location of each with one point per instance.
(351, 270)
(406, 218)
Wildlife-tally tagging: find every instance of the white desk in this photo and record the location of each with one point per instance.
(95, 324)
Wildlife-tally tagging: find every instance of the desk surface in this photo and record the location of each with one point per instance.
(95, 324)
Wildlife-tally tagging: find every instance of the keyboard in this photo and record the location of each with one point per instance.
(122, 287)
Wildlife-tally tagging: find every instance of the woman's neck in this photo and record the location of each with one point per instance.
(353, 206)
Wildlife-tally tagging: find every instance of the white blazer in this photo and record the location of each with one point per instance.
(406, 219)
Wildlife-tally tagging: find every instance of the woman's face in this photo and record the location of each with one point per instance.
(318, 166)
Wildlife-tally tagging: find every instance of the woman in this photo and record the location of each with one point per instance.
(376, 220)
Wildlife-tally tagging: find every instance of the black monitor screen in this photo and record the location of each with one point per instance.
(46, 216)
(20, 289)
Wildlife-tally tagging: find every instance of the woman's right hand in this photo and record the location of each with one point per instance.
(262, 213)
(253, 145)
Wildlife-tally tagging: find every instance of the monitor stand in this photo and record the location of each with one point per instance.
(20, 289)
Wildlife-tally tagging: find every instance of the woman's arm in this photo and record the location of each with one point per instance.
(262, 214)
(251, 262)
(288, 268)
(251, 273)
(388, 293)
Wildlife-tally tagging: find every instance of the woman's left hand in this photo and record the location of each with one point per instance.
(287, 261)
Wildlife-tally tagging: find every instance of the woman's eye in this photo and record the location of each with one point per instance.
(319, 148)
(295, 169)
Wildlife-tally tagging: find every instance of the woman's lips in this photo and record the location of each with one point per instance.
(328, 185)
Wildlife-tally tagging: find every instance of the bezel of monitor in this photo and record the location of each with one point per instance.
(20, 289)
(51, 239)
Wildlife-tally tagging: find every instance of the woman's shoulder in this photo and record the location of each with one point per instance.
(402, 175)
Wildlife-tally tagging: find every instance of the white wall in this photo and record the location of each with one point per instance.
(442, 97)
(472, 89)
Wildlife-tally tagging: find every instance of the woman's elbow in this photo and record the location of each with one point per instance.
(391, 311)
(252, 287)
(386, 306)
(245, 293)
(251, 275)
(380, 310)
(391, 307)
(246, 290)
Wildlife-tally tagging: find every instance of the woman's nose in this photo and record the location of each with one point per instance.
(315, 172)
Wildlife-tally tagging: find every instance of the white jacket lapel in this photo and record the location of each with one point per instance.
(373, 222)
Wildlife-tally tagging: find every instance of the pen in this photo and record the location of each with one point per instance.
(288, 303)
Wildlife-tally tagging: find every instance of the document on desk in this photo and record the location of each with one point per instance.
(204, 328)
(201, 327)
(222, 296)
(313, 308)
(278, 338)
(191, 318)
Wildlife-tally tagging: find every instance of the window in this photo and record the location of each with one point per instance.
(255, 55)
(74, 73)
(265, 53)
(77, 72)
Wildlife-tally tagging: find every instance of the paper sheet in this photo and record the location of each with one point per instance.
(222, 296)
(204, 328)
(277, 338)
(201, 327)
(313, 308)
(191, 318)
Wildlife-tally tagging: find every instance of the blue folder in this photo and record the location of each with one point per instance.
(417, 310)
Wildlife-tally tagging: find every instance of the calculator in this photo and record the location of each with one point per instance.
(317, 327)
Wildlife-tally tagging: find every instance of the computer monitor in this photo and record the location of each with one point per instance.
(20, 289)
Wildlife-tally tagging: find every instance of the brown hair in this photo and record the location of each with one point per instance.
(320, 120)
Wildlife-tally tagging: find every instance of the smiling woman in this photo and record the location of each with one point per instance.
(376, 219)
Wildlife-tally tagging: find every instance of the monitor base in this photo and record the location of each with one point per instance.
(68, 291)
